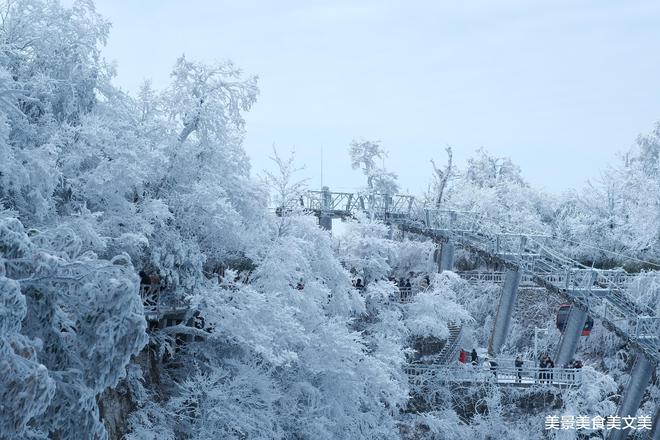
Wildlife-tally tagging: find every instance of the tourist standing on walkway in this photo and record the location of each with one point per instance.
(519, 365)
(474, 359)
(493, 366)
(462, 356)
(144, 279)
(543, 364)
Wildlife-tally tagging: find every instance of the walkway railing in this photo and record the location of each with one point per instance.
(495, 277)
(450, 351)
(158, 303)
(473, 374)
(406, 295)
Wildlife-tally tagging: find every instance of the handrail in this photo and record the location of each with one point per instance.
(154, 304)
(452, 347)
(499, 374)
(406, 294)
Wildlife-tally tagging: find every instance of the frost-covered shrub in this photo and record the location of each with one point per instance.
(70, 326)
(26, 390)
(432, 310)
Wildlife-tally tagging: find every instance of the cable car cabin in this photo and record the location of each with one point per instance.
(562, 320)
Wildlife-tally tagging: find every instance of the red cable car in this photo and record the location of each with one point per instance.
(562, 319)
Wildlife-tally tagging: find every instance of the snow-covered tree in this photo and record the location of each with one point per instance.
(73, 323)
(364, 155)
(441, 177)
(620, 215)
(287, 190)
(493, 188)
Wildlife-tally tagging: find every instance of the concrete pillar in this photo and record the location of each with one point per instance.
(446, 260)
(325, 221)
(387, 204)
(571, 338)
(633, 394)
(655, 431)
(504, 311)
(325, 217)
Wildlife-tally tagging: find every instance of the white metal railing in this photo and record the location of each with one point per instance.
(156, 303)
(483, 276)
(150, 298)
(406, 294)
(647, 327)
(503, 375)
(495, 277)
(329, 201)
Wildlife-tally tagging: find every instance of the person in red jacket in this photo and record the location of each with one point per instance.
(462, 357)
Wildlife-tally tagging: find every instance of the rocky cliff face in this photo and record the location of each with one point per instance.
(116, 405)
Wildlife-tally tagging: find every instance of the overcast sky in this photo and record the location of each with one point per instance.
(558, 86)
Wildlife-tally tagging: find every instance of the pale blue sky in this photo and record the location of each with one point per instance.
(558, 86)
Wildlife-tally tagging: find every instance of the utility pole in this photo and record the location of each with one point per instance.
(321, 166)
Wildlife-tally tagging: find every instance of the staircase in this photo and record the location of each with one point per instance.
(449, 352)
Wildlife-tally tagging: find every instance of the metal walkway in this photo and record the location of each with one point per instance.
(601, 292)
(496, 277)
(421, 375)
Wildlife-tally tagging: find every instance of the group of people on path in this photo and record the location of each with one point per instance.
(546, 365)
(151, 280)
(474, 360)
(463, 355)
(357, 284)
(575, 364)
(402, 283)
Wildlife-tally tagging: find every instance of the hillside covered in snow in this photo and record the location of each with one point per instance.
(154, 286)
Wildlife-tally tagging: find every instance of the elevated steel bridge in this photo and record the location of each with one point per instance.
(528, 258)
(602, 292)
